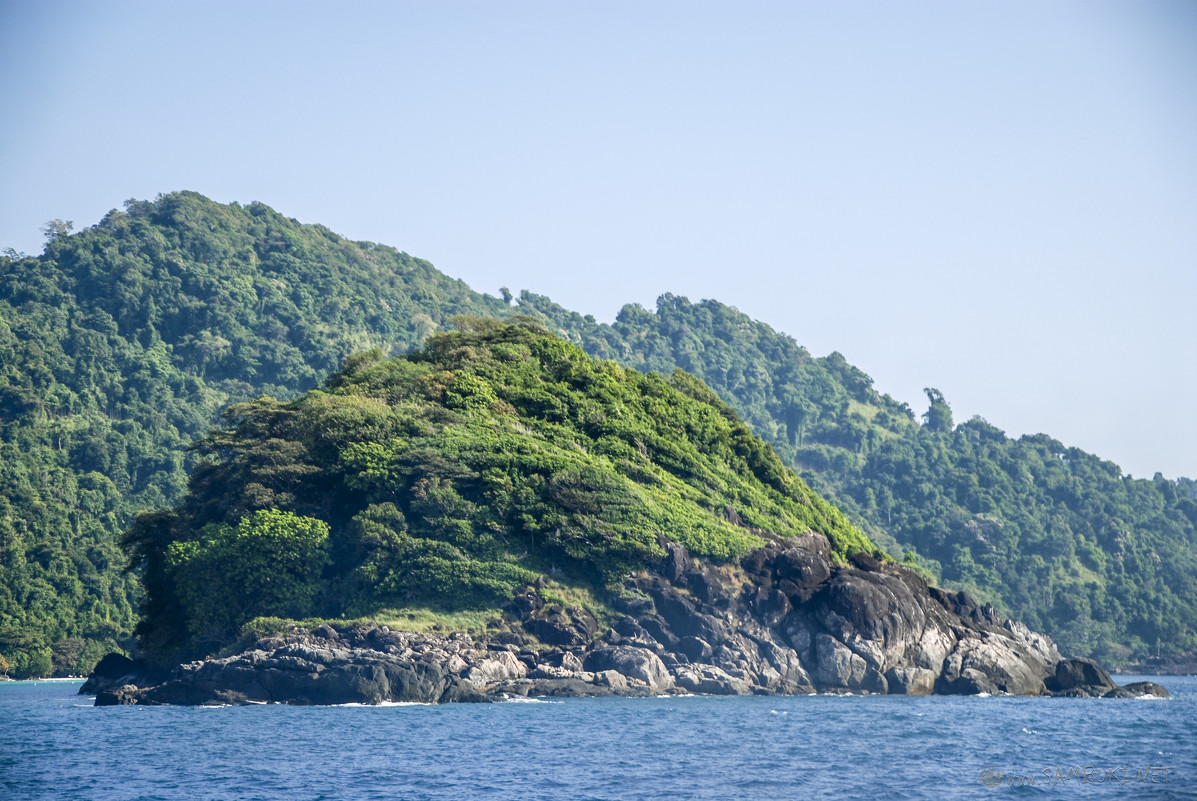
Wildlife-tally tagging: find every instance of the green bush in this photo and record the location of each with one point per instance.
(270, 563)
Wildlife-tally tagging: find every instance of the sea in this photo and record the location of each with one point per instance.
(55, 745)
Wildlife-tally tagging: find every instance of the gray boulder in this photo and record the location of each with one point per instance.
(1001, 661)
(634, 663)
(910, 681)
(711, 680)
(498, 667)
(836, 665)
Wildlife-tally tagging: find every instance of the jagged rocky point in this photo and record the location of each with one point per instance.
(786, 620)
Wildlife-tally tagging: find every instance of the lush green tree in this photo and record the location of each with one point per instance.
(57, 228)
(270, 563)
(939, 415)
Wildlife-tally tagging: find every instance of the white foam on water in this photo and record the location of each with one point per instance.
(523, 699)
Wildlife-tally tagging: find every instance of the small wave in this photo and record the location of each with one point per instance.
(1025, 730)
(984, 695)
(775, 712)
(523, 699)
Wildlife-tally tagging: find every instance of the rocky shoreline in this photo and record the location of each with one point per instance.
(784, 621)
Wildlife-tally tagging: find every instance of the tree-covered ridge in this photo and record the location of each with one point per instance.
(454, 475)
(120, 345)
(1054, 536)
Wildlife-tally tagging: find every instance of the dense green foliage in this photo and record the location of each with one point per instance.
(453, 476)
(122, 342)
(270, 563)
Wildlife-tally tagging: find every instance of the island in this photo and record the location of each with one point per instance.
(608, 533)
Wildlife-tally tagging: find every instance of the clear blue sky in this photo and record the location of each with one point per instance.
(994, 198)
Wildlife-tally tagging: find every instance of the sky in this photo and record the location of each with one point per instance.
(997, 199)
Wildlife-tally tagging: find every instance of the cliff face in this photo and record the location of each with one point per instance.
(789, 621)
(785, 621)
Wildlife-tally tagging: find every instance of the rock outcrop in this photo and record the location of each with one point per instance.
(786, 620)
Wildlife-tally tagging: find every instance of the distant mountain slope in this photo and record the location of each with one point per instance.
(121, 343)
(1052, 535)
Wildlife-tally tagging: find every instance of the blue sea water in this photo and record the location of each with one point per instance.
(55, 745)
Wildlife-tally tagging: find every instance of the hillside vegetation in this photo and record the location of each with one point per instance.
(452, 476)
(121, 344)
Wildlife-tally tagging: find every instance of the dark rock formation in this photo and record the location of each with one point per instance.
(1084, 678)
(785, 621)
(1138, 689)
(1081, 678)
(368, 666)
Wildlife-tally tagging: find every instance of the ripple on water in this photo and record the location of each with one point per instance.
(695, 747)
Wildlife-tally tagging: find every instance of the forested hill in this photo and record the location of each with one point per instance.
(120, 345)
(489, 457)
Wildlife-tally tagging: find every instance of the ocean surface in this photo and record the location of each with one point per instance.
(55, 745)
